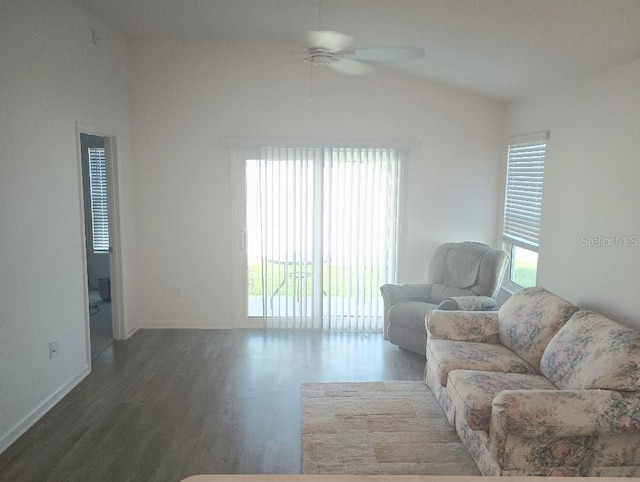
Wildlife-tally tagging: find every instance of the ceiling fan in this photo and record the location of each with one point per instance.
(331, 49)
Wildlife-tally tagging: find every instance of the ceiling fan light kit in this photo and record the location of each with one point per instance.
(329, 40)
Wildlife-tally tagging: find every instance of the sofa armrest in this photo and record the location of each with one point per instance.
(468, 303)
(477, 326)
(565, 413)
(554, 432)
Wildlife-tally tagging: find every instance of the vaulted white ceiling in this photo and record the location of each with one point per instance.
(502, 49)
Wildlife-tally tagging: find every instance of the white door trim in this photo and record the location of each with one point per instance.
(237, 157)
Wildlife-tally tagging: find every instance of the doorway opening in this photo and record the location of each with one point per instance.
(95, 182)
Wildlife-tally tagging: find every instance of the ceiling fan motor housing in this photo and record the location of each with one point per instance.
(320, 56)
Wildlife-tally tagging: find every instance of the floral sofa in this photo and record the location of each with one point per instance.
(539, 387)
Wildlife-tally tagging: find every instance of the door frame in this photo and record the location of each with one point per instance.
(241, 319)
(115, 257)
(241, 149)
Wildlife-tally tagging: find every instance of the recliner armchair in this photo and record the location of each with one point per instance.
(462, 276)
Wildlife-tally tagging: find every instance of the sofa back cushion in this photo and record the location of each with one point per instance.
(593, 352)
(529, 319)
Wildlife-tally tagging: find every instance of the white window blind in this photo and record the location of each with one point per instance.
(523, 197)
(99, 210)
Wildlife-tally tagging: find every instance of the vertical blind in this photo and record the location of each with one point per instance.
(328, 235)
(286, 190)
(523, 197)
(98, 190)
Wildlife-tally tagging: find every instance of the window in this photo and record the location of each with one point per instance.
(523, 206)
(99, 210)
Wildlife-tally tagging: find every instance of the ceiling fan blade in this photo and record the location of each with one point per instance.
(351, 67)
(386, 54)
(329, 40)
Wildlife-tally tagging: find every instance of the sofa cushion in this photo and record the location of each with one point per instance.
(411, 314)
(478, 326)
(592, 352)
(473, 392)
(529, 319)
(447, 355)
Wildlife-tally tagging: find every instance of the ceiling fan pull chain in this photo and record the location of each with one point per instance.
(310, 82)
(320, 15)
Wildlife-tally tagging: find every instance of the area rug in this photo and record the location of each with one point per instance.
(391, 428)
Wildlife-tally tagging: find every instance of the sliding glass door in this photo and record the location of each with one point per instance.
(321, 231)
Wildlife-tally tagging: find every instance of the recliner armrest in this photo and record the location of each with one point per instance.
(476, 326)
(468, 303)
(393, 294)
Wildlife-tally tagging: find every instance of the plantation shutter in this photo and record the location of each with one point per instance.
(523, 197)
(99, 210)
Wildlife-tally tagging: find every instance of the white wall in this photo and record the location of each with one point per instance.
(187, 95)
(591, 189)
(51, 76)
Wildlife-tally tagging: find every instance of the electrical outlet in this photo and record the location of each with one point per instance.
(53, 348)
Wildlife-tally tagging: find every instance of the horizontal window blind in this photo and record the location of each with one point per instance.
(98, 189)
(523, 197)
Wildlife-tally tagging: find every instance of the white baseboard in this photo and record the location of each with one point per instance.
(27, 422)
(131, 332)
(197, 325)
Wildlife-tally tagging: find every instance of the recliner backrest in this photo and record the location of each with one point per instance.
(466, 268)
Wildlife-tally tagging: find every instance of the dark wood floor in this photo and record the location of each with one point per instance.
(167, 404)
(101, 331)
